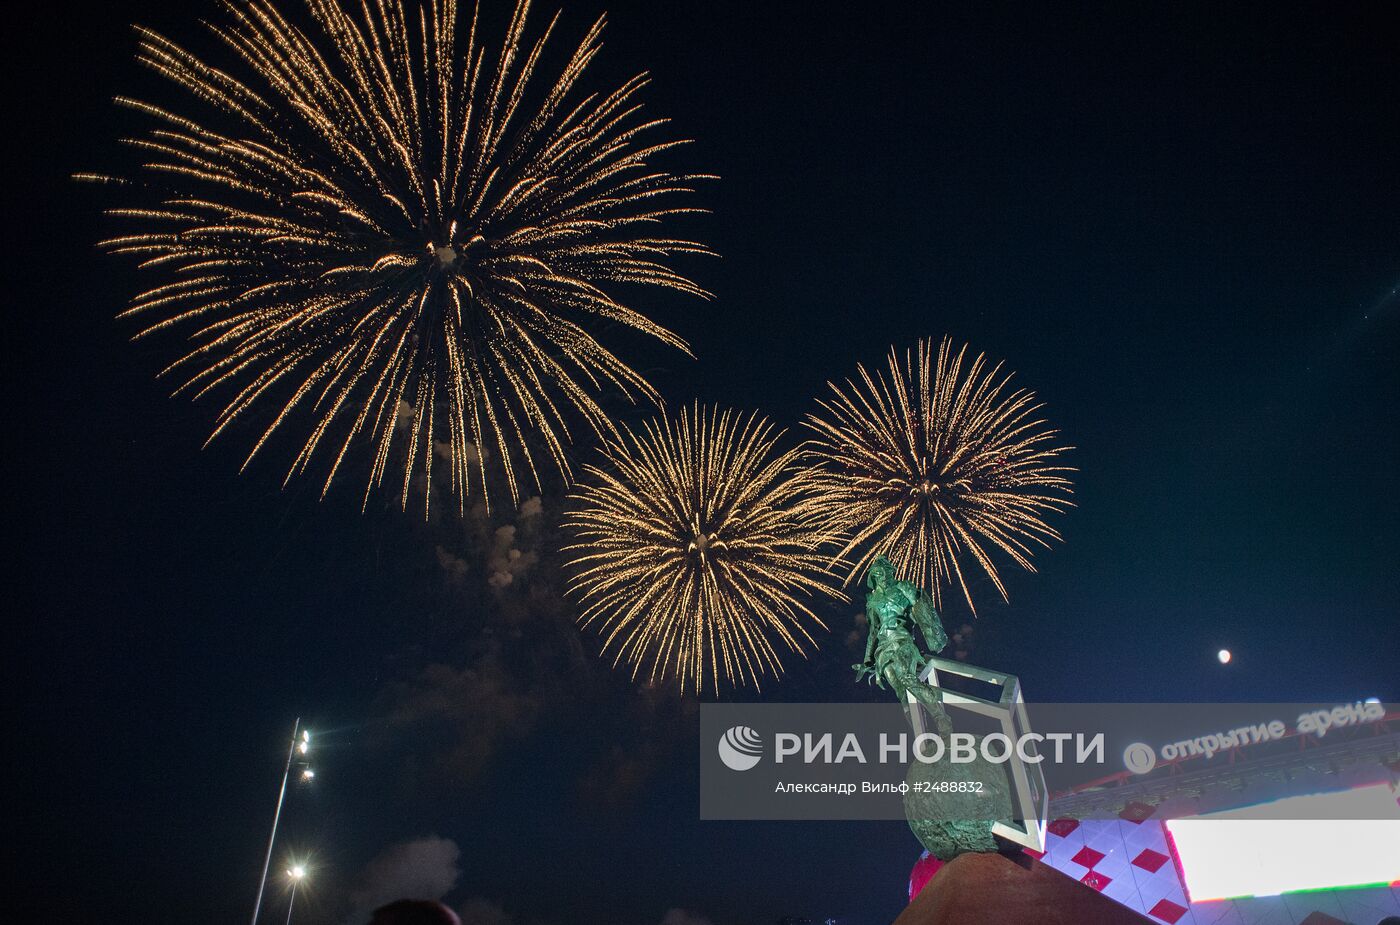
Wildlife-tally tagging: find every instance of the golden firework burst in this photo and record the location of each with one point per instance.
(695, 550)
(938, 465)
(377, 227)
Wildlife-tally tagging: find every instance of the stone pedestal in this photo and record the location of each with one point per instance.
(996, 889)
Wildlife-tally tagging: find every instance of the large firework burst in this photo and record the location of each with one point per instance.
(938, 466)
(695, 549)
(380, 229)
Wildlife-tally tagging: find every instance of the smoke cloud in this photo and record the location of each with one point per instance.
(421, 868)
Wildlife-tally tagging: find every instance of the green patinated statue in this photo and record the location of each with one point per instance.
(893, 608)
(948, 824)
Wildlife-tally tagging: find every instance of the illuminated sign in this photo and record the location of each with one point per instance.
(1253, 852)
(1312, 722)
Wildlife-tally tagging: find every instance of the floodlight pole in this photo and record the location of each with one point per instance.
(293, 901)
(281, 794)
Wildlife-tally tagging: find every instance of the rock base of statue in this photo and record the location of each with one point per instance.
(1015, 889)
(951, 807)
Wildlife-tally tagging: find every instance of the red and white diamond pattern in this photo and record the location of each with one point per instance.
(1128, 860)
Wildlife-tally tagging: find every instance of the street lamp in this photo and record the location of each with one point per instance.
(296, 873)
(301, 743)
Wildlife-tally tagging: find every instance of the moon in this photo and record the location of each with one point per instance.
(1224, 656)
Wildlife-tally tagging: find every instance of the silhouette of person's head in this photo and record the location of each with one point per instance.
(414, 912)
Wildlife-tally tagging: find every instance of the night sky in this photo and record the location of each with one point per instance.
(1181, 230)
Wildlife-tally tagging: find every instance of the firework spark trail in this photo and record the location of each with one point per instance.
(934, 465)
(370, 229)
(696, 550)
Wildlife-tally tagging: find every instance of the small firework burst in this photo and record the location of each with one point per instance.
(695, 550)
(386, 234)
(938, 466)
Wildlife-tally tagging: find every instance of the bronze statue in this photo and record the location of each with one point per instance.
(947, 822)
(893, 608)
